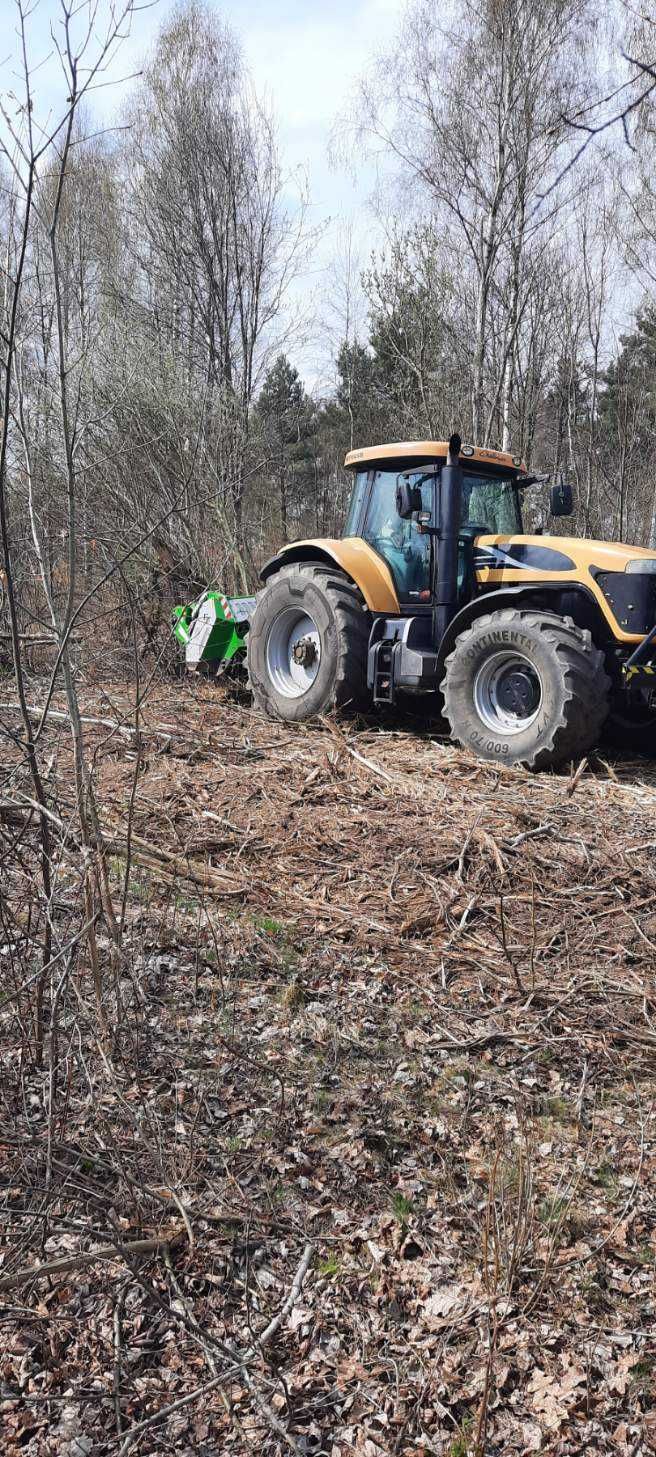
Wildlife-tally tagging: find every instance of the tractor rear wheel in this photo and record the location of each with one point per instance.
(526, 688)
(307, 643)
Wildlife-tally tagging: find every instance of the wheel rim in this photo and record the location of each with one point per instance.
(507, 693)
(293, 652)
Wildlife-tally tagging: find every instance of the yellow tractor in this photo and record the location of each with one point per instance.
(535, 642)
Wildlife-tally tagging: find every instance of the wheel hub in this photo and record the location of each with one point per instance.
(507, 692)
(305, 651)
(293, 652)
(518, 692)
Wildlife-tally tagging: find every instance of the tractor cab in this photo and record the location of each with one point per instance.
(397, 495)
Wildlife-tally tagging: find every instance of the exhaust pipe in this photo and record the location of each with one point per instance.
(450, 509)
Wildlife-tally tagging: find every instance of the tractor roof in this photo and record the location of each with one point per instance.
(422, 451)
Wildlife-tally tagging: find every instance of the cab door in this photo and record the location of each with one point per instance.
(406, 550)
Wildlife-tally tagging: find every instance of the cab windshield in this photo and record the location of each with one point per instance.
(490, 502)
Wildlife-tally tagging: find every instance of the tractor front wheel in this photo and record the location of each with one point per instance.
(526, 688)
(307, 644)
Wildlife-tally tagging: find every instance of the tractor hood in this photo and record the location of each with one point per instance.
(549, 554)
(612, 555)
(610, 571)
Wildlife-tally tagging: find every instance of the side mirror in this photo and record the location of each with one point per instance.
(561, 499)
(408, 498)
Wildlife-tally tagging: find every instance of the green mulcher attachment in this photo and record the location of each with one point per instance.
(213, 630)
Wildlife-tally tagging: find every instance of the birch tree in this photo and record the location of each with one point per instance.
(470, 108)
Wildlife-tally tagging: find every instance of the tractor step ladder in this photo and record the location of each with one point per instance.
(384, 671)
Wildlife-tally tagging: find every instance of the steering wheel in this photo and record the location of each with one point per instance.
(383, 543)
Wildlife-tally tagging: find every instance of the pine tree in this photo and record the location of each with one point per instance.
(287, 420)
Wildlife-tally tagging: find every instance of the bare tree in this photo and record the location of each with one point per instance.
(217, 247)
(36, 216)
(471, 108)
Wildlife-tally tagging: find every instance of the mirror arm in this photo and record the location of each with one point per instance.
(524, 481)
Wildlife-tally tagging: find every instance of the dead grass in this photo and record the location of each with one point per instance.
(376, 995)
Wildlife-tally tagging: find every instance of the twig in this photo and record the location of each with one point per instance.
(167, 1411)
(581, 1094)
(274, 1325)
(35, 712)
(341, 740)
(32, 804)
(209, 1354)
(118, 1312)
(185, 1217)
(576, 777)
(90, 1257)
(539, 830)
(238, 1365)
(369, 764)
(504, 941)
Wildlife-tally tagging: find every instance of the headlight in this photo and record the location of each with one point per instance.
(642, 564)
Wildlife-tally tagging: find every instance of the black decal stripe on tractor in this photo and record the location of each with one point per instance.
(521, 556)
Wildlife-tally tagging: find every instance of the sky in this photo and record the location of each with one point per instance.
(304, 55)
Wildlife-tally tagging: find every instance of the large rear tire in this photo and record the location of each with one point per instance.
(307, 644)
(526, 688)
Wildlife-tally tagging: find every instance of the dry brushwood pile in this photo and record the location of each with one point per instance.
(355, 1152)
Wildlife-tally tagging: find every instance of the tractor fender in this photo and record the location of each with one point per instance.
(355, 557)
(573, 600)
